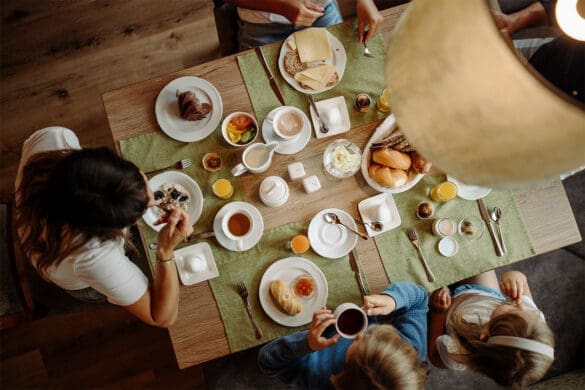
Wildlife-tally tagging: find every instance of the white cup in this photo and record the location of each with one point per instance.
(380, 213)
(444, 227)
(237, 225)
(350, 320)
(288, 123)
(195, 264)
(256, 158)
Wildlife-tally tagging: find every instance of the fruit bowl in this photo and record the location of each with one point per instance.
(239, 129)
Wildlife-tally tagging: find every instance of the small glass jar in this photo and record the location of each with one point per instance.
(362, 102)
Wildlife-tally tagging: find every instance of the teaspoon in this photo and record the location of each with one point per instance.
(374, 225)
(334, 219)
(496, 216)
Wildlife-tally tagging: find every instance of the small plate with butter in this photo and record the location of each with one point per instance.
(195, 263)
(334, 112)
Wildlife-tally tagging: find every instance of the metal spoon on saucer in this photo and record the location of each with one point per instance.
(334, 219)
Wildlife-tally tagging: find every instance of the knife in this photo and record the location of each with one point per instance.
(356, 271)
(192, 237)
(485, 215)
(273, 84)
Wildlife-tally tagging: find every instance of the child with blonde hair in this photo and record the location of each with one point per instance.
(497, 333)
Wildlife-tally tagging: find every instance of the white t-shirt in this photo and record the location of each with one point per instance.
(476, 307)
(101, 265)
(253, 16)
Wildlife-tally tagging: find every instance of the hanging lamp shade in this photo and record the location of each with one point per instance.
(469, 104)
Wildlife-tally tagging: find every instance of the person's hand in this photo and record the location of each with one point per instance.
(513, 284)
(301, 12)
(322, 318)
(369, 19)
(379, 305)
(504, 22)
(441, 300)
(177, 228)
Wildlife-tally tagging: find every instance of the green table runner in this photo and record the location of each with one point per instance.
(400, 257)
(362, 74)
(249, 266)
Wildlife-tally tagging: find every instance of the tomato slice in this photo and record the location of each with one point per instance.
(241, 122)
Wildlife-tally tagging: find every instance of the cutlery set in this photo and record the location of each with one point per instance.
(492, 222)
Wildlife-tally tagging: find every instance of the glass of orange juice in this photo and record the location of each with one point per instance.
(222, 188)
(299, 244)
(383, 102)
(443, 192)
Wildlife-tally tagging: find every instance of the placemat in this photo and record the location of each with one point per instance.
(362, 74)
(249, 267)
(400, 258)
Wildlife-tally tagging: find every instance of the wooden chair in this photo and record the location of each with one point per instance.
(226, 23)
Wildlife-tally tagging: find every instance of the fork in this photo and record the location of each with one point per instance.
(243, 291)
(367, 51)
(413, 237)
(181, 164)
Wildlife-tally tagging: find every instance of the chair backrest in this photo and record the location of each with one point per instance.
(226, 23)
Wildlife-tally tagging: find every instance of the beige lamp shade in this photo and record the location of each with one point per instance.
(469, 104)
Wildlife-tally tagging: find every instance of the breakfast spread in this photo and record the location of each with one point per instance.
(170, 196)
(190, 107)
(285, 298)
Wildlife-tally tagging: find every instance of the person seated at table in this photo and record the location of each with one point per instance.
(389, 354)
(73, 208)
(500, 334)
(267, 21)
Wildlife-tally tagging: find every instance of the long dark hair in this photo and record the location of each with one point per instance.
(68, 197)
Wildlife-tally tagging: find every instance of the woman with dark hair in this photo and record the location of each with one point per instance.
(73, 207)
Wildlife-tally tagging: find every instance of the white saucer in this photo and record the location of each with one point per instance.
(257, 229)
(286, 146)
(329, 240)
(469, 191)
(366, 208)
(202, 250)
(337, 123)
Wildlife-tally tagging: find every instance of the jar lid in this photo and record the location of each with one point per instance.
(448, 246)
(274, 191)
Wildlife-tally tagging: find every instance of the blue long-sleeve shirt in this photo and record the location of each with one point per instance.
(290, 359)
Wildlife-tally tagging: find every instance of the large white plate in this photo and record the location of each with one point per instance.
(383, 131)
(174, 177)
(339, 61)
(330, 240)
(201, 250)
(286, 146)
(257, 226)
(288, 270)
(469, 191)
(167, 114)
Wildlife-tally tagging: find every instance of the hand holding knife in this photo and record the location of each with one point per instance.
(273, 84)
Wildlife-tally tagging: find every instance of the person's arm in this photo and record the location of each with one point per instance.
(514, 284)
(368, 16)
(533, 15)
(298, 12)
(440, 303)
(159, 306)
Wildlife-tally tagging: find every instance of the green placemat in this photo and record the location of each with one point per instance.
(362, 74)
(400, 257)
(249, 266)
(155, 150)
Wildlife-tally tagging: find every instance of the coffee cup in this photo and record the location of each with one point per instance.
(288, 123)
(256, 158)
(350, 320)
(237, 225)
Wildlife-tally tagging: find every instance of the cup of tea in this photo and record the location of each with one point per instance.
(288, 123)
(256, 158)
(237, 225)
(350, 320)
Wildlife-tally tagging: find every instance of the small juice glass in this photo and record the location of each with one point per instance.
(383, 102)
(443, 192)
(223, 189)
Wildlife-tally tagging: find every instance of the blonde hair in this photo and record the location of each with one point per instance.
(508, 366)
(382, 360)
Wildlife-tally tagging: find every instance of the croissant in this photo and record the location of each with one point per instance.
(285, 298)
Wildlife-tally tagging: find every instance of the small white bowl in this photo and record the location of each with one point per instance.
(227, 120)
(448, 246)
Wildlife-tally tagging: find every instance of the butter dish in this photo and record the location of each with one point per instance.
(195, 263)
(334, 112)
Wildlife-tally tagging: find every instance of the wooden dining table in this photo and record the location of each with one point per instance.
(198, 335)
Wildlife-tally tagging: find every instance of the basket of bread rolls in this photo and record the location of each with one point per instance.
(390, 163)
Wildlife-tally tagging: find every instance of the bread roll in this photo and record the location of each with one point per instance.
(419, 164)
(285, 298)
(392, 158)
(387, 176)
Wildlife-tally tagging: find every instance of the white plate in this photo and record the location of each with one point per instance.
(366, 209)
(291, 146)
(339, 61)
(174, 177)
(382, 131)
(202, 250)
(288, 270)
(469, 191)
(167, 114)
(257, 226)
(330, 240)
(334, 112)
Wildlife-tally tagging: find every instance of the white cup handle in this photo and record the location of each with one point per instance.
(240, 244)
(239, 169)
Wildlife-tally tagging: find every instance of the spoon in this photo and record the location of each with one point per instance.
(334, 219)
(496, 216)
(374, 225)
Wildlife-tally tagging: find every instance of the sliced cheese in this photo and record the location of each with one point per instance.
(316, 77)
(313, 44)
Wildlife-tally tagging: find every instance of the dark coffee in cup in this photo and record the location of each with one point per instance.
(351, 322)
(239, 224)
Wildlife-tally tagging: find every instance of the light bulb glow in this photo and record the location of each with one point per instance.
(569, 19)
